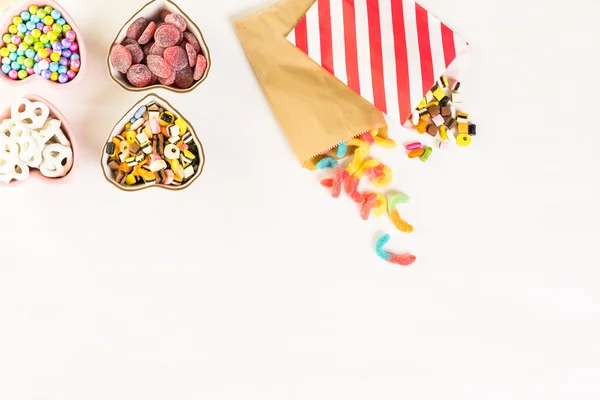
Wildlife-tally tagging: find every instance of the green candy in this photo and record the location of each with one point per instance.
(44, 39)
(41, 13)
(57, 28)
(11, 47)
(23, 46)
(6, 38)
(425, 156)
(66, 28)
(22, 74)
(38, 46)
(21, 59)
(29, 39)
(48, 9)
(29, 62)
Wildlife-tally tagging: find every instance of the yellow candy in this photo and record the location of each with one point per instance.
(130, 136)
(128, 125)
(385, 143)
(422, 126)
(422, 103)
(385, 180)
(463, 140)
(439, 93)
(374, 132)
(177, 168)
(182, 126)
(55, 56)
(54, 76)
(364, 146)
(166, 118)
(400, 224)
(52, 36)
(443, 132)
(356, 162)
(381, 205)
(189, 155)
(364, 167)
(130, 180)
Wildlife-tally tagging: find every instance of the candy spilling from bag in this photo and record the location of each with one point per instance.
(154, 147)
(32, 138)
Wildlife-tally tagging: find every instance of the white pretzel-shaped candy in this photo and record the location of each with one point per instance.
(13, 169)
(51, 129)
(6, 126)
(57, 160)
(28, 147)
(9, 149)
(33, 116)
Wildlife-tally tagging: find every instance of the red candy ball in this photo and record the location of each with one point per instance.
(159, 66)
(136, 28)
(167, 35)
(176, 57)
(139, 75)
(120, 58)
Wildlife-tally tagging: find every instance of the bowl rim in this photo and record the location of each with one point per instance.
(80, 41)
(133, 89)
(137, 188)
(56, 113)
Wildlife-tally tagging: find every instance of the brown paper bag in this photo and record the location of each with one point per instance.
(314, 108)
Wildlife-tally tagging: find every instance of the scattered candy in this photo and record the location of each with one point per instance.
(152, 149)
(385, 143)
(327, 162)
(365, 210)
(40, 42)
(399, 198)
(341, 150)
(416, 153)
(399, 223)
(404, 260)
(426, 154)
(32, 138)
(170, 52)
(413, 146)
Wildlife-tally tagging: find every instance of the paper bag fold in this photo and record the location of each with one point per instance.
(314, 108)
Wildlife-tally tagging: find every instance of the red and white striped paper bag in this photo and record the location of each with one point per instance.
(390, 52)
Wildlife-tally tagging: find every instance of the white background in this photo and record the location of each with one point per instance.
(255, 284)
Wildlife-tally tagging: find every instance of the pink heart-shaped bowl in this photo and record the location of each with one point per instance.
(82, 49)
(66, 128)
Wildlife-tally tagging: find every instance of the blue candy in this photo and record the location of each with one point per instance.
(25, 16)
(15, 65)
(55, 14)
(74, 57)
(6, 68)
(22, 28)
(341, 150)
(20, 52)
(381, 242)
(140, 112)
(13, 56)
(327, 162)
(61, 21)
(30, 53)
(54, 67)
(35, 18)
(30, 25)
(6, 60)
(132, 120)
(62, 70)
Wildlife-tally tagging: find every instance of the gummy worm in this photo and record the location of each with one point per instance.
(399, 223)
(341, 150)
(404, 260)
(327, 162)
(384, 179)
(356, 162)
(381, 205)
(367, 165)
(396, 199)
(361, 144)
(385, 143)
(365, 210)
(368, 137)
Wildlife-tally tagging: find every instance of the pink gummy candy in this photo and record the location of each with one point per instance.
(403, 259)
(184, 78)
(373, 173)
(167, 35)
(190, 38)
(137, 54)
(327, 182)
(368, 137)
(139, 75)
(191, 54)
(201, 65)
(176, 57)
(136, 28)
(148, 33)
(365, 210)
(336, 190)
(177, 20)
(120, 58)
(159, 66)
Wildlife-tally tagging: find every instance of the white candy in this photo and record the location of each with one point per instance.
(33, 116)
(189, 172)
(28, 147)
(137, 124)
(415, 117)
(57, 160)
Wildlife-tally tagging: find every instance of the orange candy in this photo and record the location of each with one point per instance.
(400, 224)
(416, 153)
(422, 126)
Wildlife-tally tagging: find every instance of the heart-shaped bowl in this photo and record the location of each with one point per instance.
(151, 11)
(82, 49)
(68, 131)
(118, 128)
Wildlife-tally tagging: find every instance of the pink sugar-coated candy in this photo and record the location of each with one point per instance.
(365, 210)
(190, 38)
(336, 189)
(169, 80)
(136, 28)
(413, 146)
(156, 50)
(127, 41)
(139, 75)
(368, 137)
(146, 48)
(357, 197)
(373, 173)
(183, 147)
(177, 20)
(120, 58)
(191, 54)
(153, 80)
(159, 66)
(351, 186)
(46, 29)
(167, 35)
(13, 75)
(403, 259)
(137, 54)
(30, 71)
(71, 74)
(76, 64)
(328, 183)
(164, 13)
(148, 33)
(200, 69)
(176, 57)
(74, 47)
(184, 78)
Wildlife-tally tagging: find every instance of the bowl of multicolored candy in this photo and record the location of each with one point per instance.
(160, 46)
(152, 146)
(41, 41)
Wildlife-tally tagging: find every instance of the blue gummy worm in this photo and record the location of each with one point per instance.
(341, 150)
(382, 241)
(327, 162)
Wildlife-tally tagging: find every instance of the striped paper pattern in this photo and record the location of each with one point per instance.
(389, 51)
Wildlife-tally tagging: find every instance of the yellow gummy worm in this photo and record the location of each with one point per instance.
(356, 162)
(385, 143)
(381, 205)
(385, 180)
(364, 167)
(375, 132)
(361, 144)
